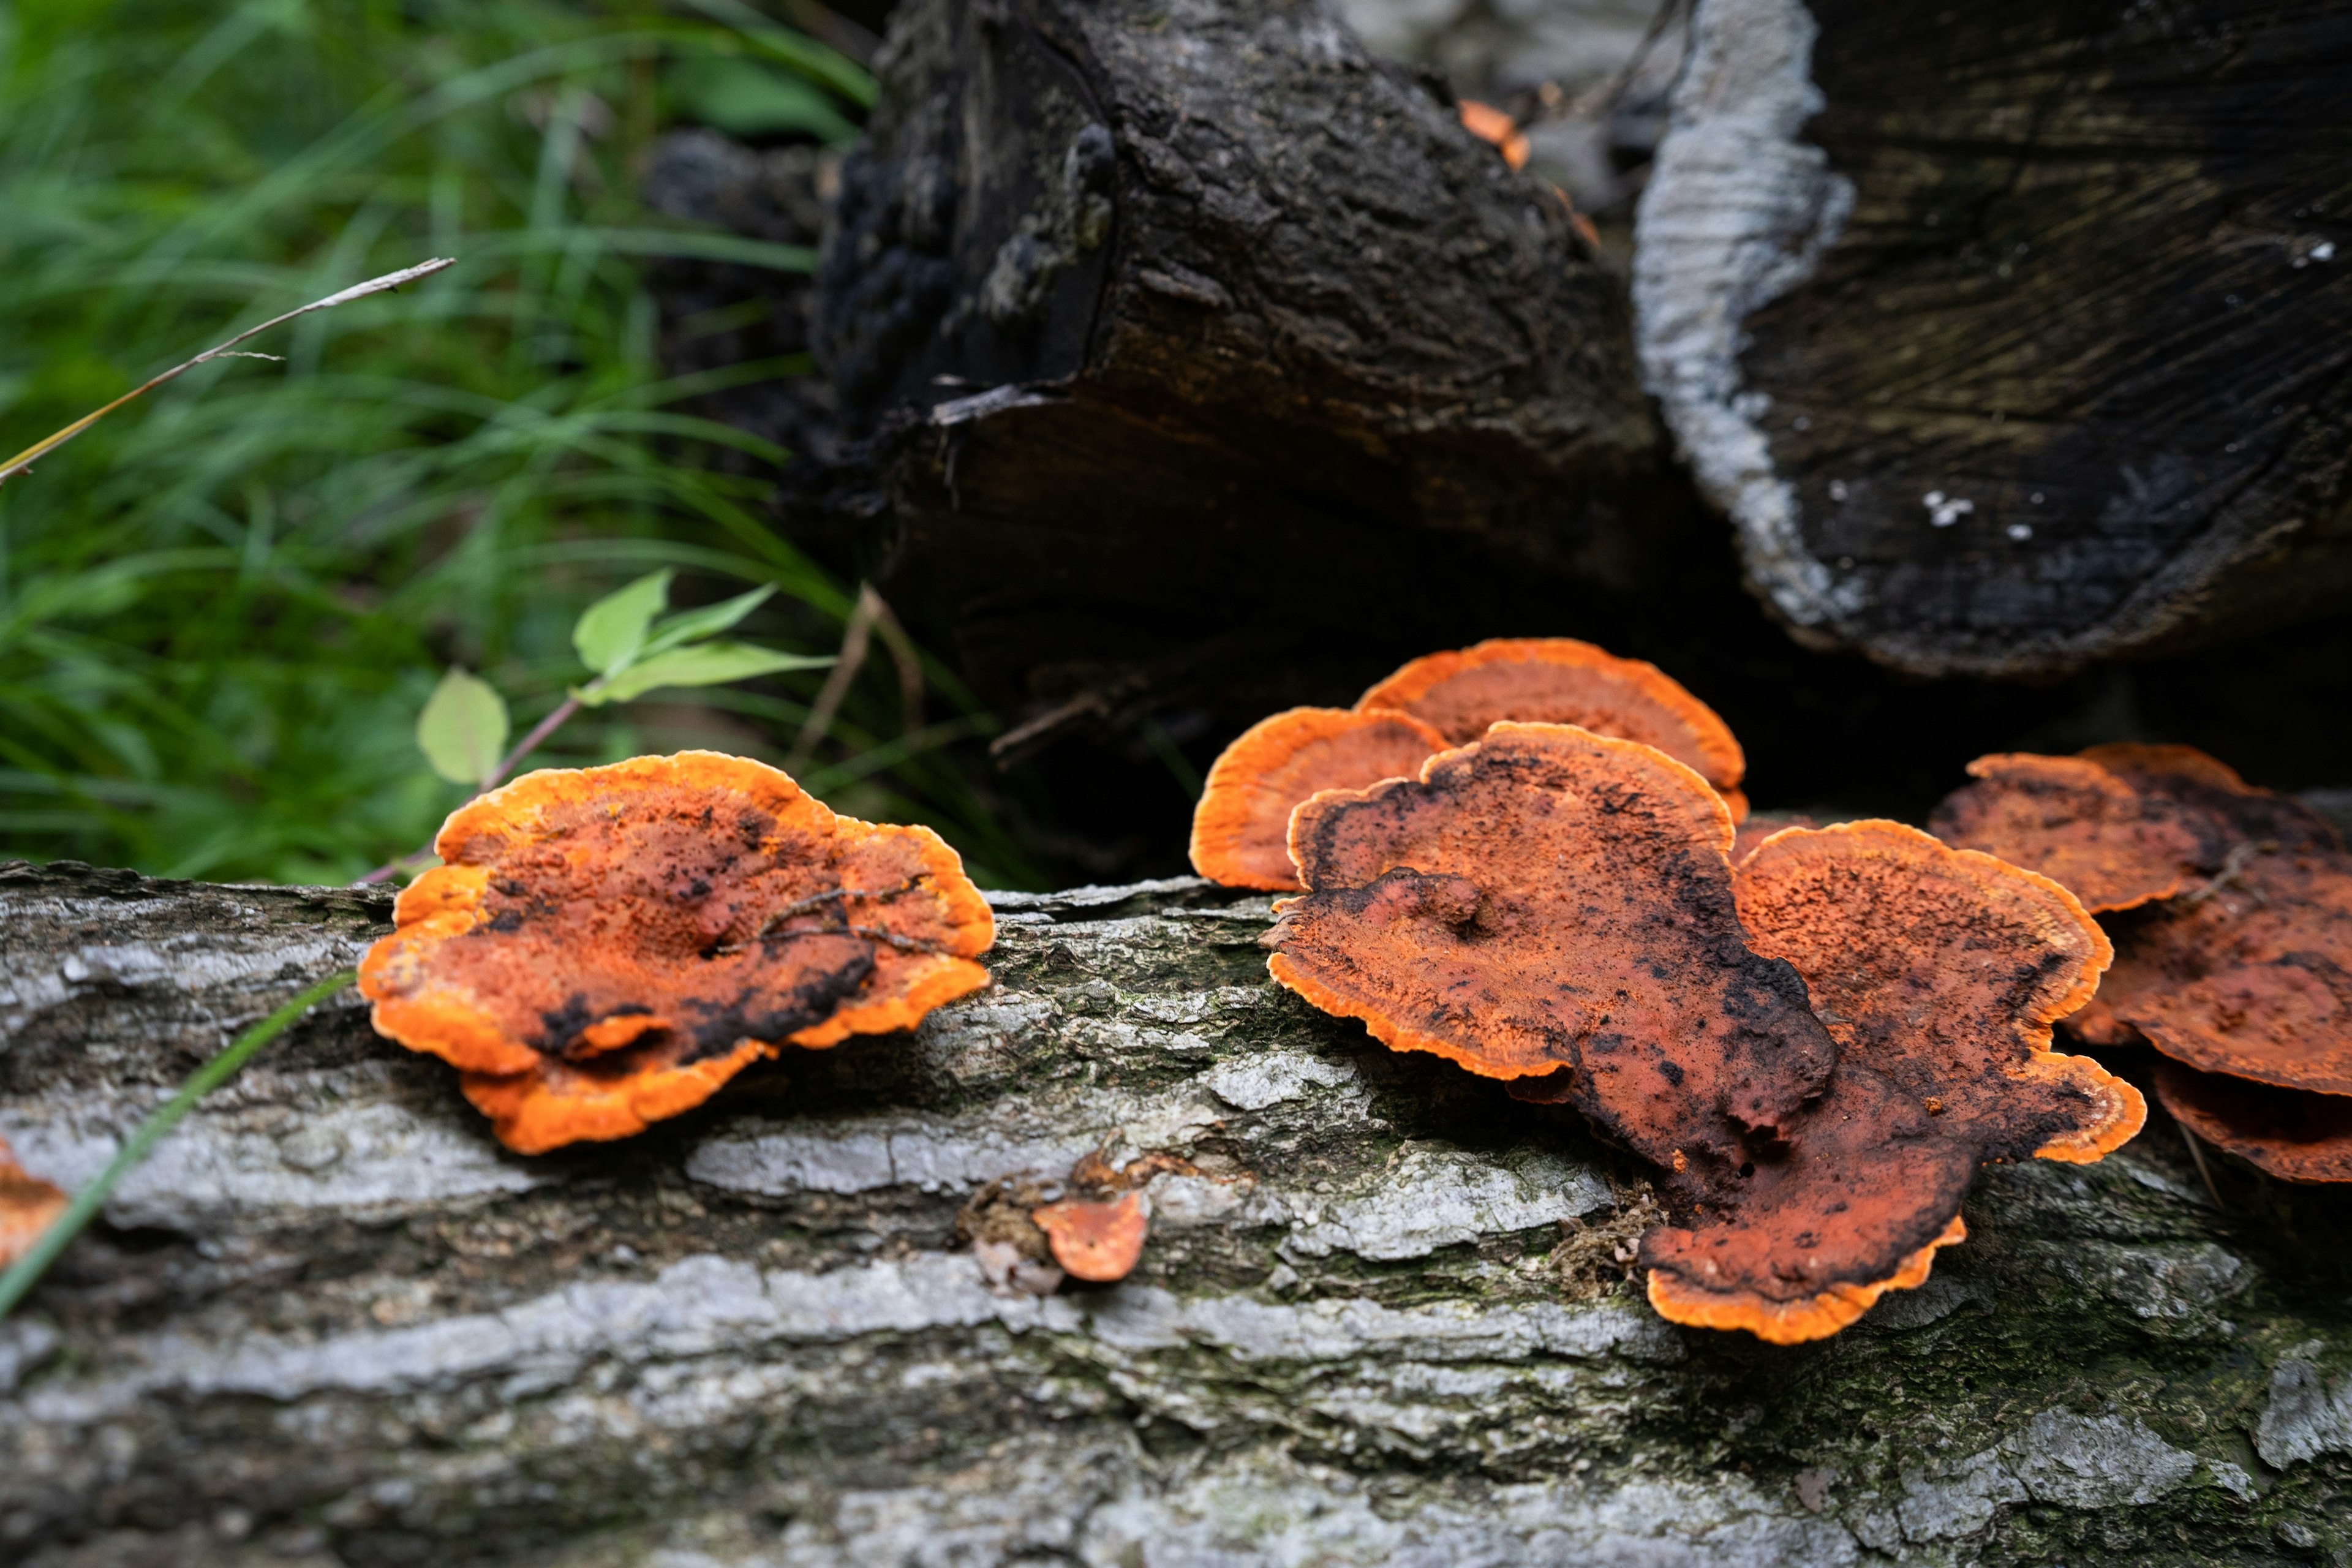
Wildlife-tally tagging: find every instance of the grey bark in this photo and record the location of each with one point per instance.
(2017, 336)
(332, 1322)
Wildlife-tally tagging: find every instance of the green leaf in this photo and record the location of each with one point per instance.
(612, 631)
(749, 97)
(463, 729)
(693, 626)
(706, 664)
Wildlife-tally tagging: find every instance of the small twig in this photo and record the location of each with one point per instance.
(2233, 866)
(1605, 97)
(2196, 1152)
(28, 1269)
(854, 636)
(39, 449)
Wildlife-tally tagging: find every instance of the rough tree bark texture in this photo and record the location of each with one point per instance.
(332, 1322)
(2018, 335)
(1175, 323)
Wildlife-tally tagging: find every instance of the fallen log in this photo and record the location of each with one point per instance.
(1382, 1319)
(2013, 337)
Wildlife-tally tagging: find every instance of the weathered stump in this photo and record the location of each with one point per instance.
(333, 1322)
(1181, 333)
(2014, 336)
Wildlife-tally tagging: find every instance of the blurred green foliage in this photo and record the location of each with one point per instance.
(222, 611)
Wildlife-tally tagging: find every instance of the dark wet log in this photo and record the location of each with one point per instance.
(332, 1322)
(2014, 336)
(1170, 323)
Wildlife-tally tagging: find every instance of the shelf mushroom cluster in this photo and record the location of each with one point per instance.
(1818, 1048)
(2231, 909)
(604, 948)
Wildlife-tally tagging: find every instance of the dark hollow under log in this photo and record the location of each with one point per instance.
(2014, 336)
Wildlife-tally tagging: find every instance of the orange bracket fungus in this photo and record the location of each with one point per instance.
(2121, 825)
(2075, 822)
(2251, 975)
(604, 948)
(1559, 680)
(1095, 1240)
(1550, 903)
(1241, 829)
(1942, 971)
(28, 1206)
(2292, 1136)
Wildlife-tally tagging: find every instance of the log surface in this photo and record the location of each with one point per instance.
(2014, 336)
(333, 1322)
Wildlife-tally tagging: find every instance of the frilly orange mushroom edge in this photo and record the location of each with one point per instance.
(606, 947)
(1818, 1052)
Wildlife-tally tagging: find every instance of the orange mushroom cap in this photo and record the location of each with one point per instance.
(1095, 1240)
(28, 1206)
(2076, 823)
(2289, 1134)
(606, 947)
(1241, 829)
(2250, 976)
(2121, 825)
(1942, 970)
(1559, 680)
(1760, 826)
(1556, 907)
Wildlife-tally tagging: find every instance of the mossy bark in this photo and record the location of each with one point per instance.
(333, 1322)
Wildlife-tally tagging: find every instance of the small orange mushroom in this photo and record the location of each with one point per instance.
(1490, 124)
(28, 1206)
(2294, 1136)
(1943, 971)
(1241, 829)
(1095, 1240)
(1559, 680)
(606, 947)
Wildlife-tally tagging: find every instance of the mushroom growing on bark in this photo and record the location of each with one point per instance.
(1555, 905)
(1097, 1240)
(604, 948)
(1559, 680)
(2293, 1136)
(2233, 957)
(1241, 829)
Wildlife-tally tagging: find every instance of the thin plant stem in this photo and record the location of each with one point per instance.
(39, 449)
(2196, 1152)
(26, 1272)
(854, 636)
